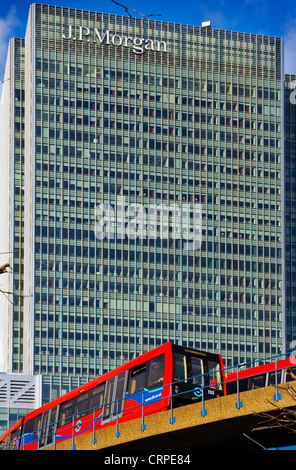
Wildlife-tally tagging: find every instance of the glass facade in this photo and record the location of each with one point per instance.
(12, 208)
(290, 206)
(17, 214)
(157, 113)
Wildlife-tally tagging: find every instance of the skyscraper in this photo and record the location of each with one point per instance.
(12, 210)
(290, 206)
(139, 114)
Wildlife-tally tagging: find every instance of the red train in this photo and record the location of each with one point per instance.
(169, 375)
(261, 376)
(144, 384)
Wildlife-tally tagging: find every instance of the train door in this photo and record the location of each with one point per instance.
(196, 371)
(206, 374)
(43, 429)
(114, 397)
(47, 427)
(51, 425)
(186, 377)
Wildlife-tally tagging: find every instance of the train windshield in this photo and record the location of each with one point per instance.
(180, 367)
(215, 377)
(197, 370)
(191, 367)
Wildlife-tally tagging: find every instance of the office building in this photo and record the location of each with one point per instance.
(143, 113)
(290, 207)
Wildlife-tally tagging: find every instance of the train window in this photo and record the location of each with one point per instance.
(81, 406)
(31, 425)
(155, 369)
(66, 412)
(180, 367)
(231, 387)
(290, 374)
(271, 377)
(257, 381)
(37, 426)
(97, 396)
(197, 370)
(7, 440)
(214, 374)
(137, 379)
(15, 435)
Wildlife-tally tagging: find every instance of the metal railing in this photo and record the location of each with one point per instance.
(46, 438)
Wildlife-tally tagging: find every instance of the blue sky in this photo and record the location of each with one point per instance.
(268, 17)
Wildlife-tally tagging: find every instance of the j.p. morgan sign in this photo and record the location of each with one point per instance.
(93, 35)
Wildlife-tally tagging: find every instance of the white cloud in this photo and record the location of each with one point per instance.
(7, 26)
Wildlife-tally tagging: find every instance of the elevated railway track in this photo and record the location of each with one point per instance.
(221, 423)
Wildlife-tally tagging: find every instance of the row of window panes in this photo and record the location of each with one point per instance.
(222, 88)
(53, 15)
(205, 86)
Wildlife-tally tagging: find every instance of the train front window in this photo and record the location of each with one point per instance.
(196, 370)
(180, 367)
(214, 375)
(155, 372)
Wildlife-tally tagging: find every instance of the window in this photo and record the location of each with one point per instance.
(13, 438)
(37, 425)
(180, 367)
(97, 396)
(257, 381)
(196, 370)
(271, 377)
(155, 372)
(290, 374)
(66, 412)
(31, 425)
(215, 378)
(81, 405)
(137, 379)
